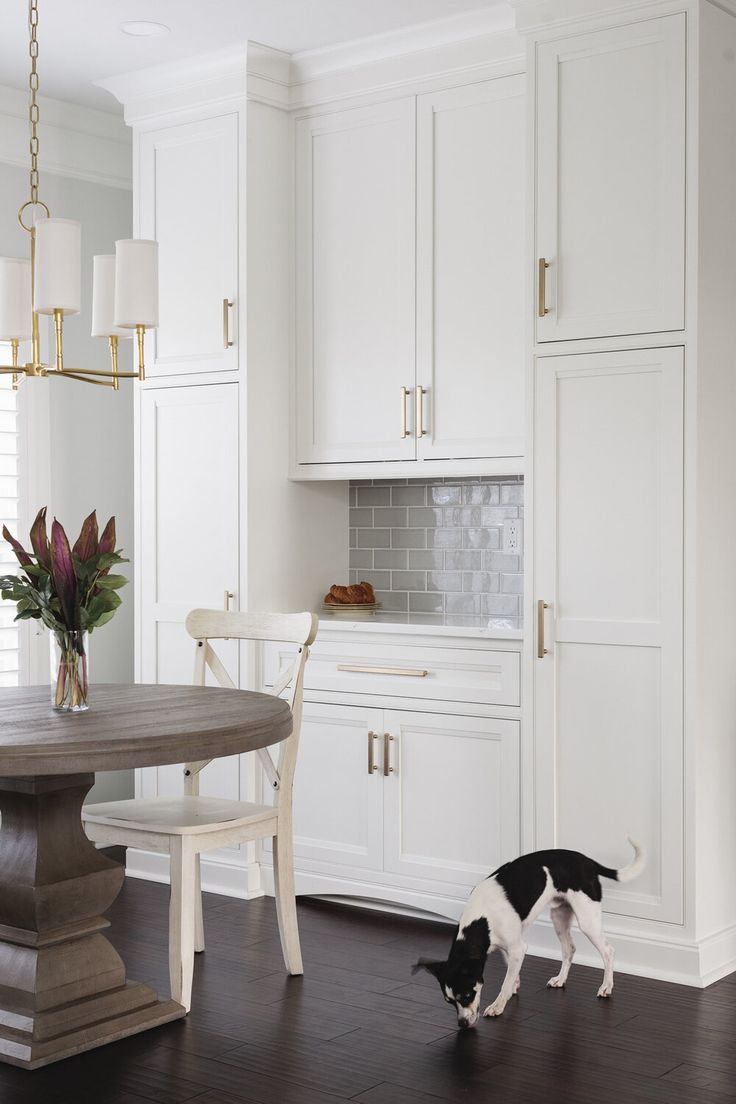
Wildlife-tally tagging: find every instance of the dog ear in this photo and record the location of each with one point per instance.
(435, 968)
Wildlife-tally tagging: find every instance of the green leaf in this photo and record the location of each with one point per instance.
(112, 582)
(102, 620)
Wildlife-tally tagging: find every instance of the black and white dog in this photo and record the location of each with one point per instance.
(502, 907)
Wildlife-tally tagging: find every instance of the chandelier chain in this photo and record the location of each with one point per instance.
(33, 111)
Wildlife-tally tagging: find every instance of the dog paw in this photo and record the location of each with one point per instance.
(495, 1009)
(557, 982)
(606, 989)
(517, 986)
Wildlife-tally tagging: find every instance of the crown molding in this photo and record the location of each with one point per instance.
(532, 16)
(76, 141)
(472, 46)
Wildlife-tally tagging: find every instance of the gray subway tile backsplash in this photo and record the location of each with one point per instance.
(435, 546)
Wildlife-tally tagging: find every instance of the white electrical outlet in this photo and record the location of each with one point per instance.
(513, 536)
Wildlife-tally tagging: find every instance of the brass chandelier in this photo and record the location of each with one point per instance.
(125, 284)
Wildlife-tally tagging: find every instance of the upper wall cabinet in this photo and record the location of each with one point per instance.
(355, 229)
(610, 194)
(470, 274)
(189, 203)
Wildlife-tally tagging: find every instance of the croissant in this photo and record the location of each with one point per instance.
(358, 594)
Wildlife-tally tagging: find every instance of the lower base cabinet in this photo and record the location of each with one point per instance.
(424, 802)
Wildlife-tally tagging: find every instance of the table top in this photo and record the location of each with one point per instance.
(134, 726)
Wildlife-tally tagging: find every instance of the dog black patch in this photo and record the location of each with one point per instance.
(524, 879)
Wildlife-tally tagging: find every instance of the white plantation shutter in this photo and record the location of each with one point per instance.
(10, 633)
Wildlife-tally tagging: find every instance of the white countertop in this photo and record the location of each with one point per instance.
(433, 624)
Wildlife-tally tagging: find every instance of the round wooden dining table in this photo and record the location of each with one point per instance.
(63, 987)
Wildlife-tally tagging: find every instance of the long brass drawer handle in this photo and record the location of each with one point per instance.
(405, 431)
(387, 741)
(356, 668)
(421, 431)
(541, 607)
(226, 304)
(372, 764)
(543, 265)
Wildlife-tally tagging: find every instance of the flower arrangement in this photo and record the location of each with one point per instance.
(71, 591)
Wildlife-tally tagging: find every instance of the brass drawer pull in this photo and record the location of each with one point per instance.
(372, 764)
(541, 607)
(421, 431)
(387, 741)
(226, 304)
(405, 431)
(356, 668)
(542, 289)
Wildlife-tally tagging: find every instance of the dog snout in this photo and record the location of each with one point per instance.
(467, 1021)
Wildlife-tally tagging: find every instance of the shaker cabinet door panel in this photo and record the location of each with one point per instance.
(337, 802)
(608, 561)
(189, 204)
(470, 269)
(451, 804)
(610, 190)
(355, 232)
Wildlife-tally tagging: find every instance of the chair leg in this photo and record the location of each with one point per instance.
(283, 876)
(198, 914)
(181, 920)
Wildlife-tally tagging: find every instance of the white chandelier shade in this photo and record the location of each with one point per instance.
(16, 318)
(103, 298)
(58, 266)
(136, 283)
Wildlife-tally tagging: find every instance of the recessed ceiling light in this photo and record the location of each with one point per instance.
(141, 28)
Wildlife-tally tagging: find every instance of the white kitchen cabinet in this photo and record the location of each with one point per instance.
(608, 561)
(470, 269)
(610, 180)
(189, 204)
(451, 798)
(355, 233)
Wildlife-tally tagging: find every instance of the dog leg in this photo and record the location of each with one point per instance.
(562, 917)
(590, 918)
(514, 958)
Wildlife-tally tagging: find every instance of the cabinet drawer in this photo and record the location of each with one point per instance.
(469, 675)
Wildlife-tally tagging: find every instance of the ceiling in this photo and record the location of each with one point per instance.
(80, 40)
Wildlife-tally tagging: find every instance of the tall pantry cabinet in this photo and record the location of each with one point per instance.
(632, 139)
(218, 522)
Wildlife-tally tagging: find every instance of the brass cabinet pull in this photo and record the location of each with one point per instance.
(372, 764)
(358, 668)
(405, 431)
(226, 304)
(543, 265)
(387, 741)
(421, 431)
(541, 607)
(226, 600)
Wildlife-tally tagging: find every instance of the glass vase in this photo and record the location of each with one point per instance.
(69, 671)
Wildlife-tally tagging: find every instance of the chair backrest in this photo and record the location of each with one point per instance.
(205, 625)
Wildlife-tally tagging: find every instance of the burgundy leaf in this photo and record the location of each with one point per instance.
(40, 540)
(22, 556)
(108, 538)
(63, 571)
(86, 543)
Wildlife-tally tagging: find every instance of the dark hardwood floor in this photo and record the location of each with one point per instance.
(358, 1027)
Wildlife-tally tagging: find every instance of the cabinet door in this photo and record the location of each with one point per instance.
(189, 203)
(355, 231)
(608, 526)
(337, 802)
(451, 802)
(470, 269)
(187, 542)
(610, 133)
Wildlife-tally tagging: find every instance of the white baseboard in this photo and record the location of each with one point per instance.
(674, 958)
(231, 879)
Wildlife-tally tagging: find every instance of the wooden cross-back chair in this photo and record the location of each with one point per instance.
(184, 827)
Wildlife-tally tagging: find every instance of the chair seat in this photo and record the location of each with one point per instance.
(185, 815)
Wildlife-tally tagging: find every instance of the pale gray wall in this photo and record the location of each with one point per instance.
(91, 430)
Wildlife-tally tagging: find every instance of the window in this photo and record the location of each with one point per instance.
(11, 642)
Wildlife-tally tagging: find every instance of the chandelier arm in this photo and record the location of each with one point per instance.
(81, 379)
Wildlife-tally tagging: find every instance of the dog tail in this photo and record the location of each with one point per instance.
(631, 870)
